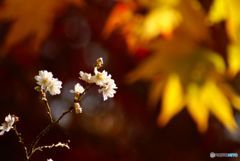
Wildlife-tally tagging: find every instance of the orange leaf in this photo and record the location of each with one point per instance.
(120, 15)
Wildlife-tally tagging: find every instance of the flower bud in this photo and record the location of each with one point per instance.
(99, 63)
(77, 108)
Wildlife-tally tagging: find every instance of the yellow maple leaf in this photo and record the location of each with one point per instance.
(31, 18)
(218, 104)
(172, 99)
(196, 106)
(234, 58)
(182, 72)
(161, 20)
(227, 10)
(194, 81)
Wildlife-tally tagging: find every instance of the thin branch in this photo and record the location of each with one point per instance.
(33, 148)
(20, 140)
(44, 98)
(45, 131)
(59, 144)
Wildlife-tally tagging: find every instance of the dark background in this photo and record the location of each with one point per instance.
(121, 129)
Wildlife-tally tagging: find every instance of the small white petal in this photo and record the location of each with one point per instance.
(108, 90)
(49, 159)
(87, 77)
(43, 78)
(8, 124)
(2, 132)
(54, 87)
(78, 89)
(101, 78)
(48, 83)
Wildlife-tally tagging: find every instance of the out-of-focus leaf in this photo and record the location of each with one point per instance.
(218, 104)
(168, 3)
(193, 20)
(153, 3)
(190, 80)
(196, 107)
(172, 99)
(121, 14)
(161, 20)
(234, 58)
(227, 10)
(31, 18)
(216, 60)
(155, 92)
(232, 95)
(182, 71)
(218, 11)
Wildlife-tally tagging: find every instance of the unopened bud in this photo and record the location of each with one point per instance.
(99, 63)
(37, 88)
(16, 118)
(77, 108)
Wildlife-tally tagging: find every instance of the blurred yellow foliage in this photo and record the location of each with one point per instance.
(172, 99)
(160, 21)
(195, 81)
(31, 18)
(234, 56)
(227, 10)
(184, 71)
(217, 103)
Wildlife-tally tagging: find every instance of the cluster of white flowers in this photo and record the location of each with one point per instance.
(108, 90)
(8, 124)
(102, 79)
(48, 83)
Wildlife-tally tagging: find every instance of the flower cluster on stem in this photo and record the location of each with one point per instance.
(46, 83)
(102, 79)
(6, 126)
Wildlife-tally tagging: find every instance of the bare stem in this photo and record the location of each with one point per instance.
(20, 140)
(59, 144)
(33, 148)
(44, 98)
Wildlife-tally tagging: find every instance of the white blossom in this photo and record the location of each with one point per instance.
(101, 78)
(87, 77)
(78, 89)
(49, 159)
(44, 78)
(48, 83)
(108, 90)
(8, 124)
(54, 87)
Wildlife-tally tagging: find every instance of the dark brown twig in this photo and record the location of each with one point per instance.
(32, 148)
(44, 98)
(20, 140)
